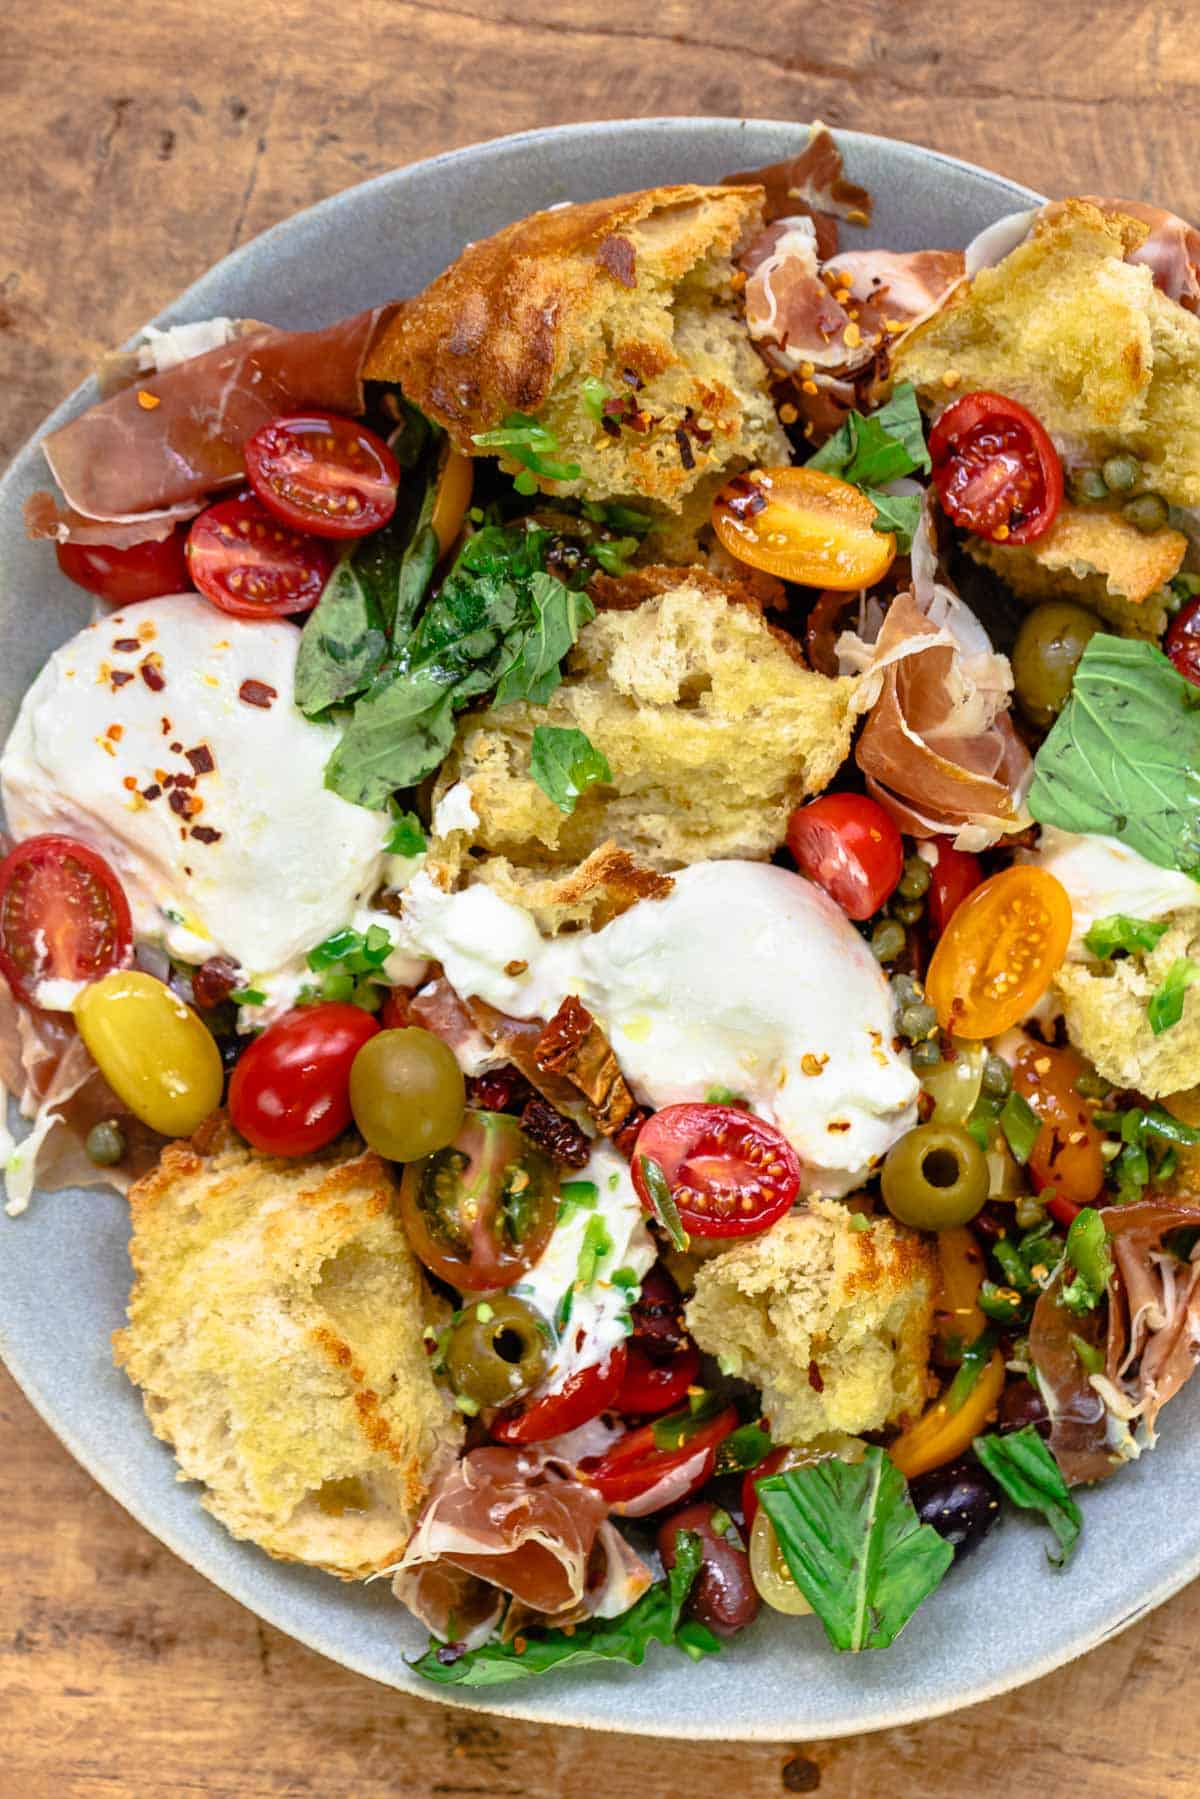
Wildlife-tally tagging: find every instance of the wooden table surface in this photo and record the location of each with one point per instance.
(142, 143)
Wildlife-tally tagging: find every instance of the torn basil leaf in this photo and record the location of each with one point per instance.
(564, 762)
(1166, 1002)
(1021, 1464)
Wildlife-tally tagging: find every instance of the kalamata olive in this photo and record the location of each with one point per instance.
(1045, 656)
(723, 1596)
(1021, 1404)
(960, 1500)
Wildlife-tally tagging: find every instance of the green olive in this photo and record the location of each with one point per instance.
(936, 1177)
(407, 1093)
(1046, 654)
(1121, 473)
(1147, 511)
(497, 1351)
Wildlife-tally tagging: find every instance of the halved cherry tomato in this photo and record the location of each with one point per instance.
(139, 571)
(1066, 1154)
(582, 1397)
(996, 471)
(455, 481)
(480, 1212)
(955, 874)
(635, 1475)
(999, 953)
(730, 1173)
(323, 474)
(247, 563)
(63, 915)
(1182, 642)
(652, 1386)
(848, 845)
(805, 526)
(290, 1092)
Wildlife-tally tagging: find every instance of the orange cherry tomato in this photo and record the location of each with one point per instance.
(999, 952)
(805, 526)
(1066, 1155)
(455, 481)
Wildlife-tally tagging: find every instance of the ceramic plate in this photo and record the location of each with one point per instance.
(64, 1273)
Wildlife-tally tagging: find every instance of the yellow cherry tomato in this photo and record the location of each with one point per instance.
(957, 1319)
(152, 1050)
(941, 1435)
(999, 952)
(803, 525)
(455, 481)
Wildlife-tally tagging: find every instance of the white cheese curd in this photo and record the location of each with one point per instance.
(165, 736)
(598, 1317)
(1103, 876)
(745, 976)
(455, 811)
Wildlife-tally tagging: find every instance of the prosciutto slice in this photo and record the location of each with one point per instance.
(1171, 252)
(1151, 1343)
(813, 185)
(938, 748)
(44, 517)
(172, 438)
(518, 1522)
(791, 312)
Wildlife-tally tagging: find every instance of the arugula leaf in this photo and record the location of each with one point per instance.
(1021, 1126)
(1022, 1465)
(564, 762)
(1166, 1002)
(869, 451)
(898, 512)
(662, 1202)
(856, 1549)
(1123, 757)
(1120, 931)
(407, 835)
(657, 1617)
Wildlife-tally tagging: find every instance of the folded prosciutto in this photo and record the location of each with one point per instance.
(160, 446)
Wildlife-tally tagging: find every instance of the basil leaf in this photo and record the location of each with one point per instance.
(1022, 1465)
(1123, 758)
(1021, 1126)
(743, 1449)
(564, 762)
(662, 1202)
(657, 1617)
(399, 733)
(407, 836)
(1166, 1002)
(900, 513)
(559, 616)
(343, 643)
(869, 451)
(856, 1549)
(1120, 931)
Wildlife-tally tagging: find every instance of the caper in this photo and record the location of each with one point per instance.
(105, 1143)
(908, 911)
(906, 990)
(888, 940)
(997, 1078)
(497, 1350)
(1087, 485)
(1050, 642)
(915, 880)
(927, 1054)
(1146, 511)
(936, 1177)
(1121, 473)
(917, 1022)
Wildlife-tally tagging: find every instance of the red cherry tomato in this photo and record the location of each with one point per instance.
(848, 845)
(63, 915)
(247, 563)
(996, 471)
(582, 1397)
(1183, 642)
(141, 571)
(627, 1474)
(730, 1174)
(955, 874)
(290, 1092)
(651, 1387)
(771, 1463)
(324, 474)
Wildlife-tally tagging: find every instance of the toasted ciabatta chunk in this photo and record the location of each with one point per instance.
(1082, 337)
(275, 1329)
(713, 729)
(634, 292)
(1106, 1007)
(831, 1322)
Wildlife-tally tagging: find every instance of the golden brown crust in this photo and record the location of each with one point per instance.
(622, 593)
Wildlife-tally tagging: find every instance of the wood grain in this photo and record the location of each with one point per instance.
(141, 143)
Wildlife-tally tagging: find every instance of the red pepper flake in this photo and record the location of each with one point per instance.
(814, 1378)
(153, 792)
(257, 693)
(165, 724)
(120, 677)
(130, 783)
(205, 834)
(176, 749)
(686, 454)
(147, 401)
(201, 759)
(116, 732)
(618, 258)
(151, 673)
(180, 803)
(127, 645)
